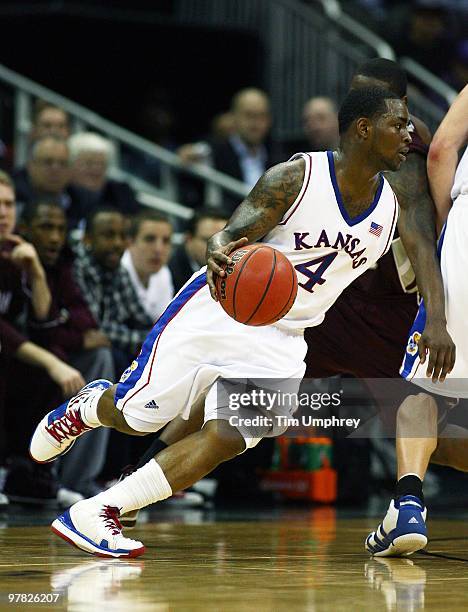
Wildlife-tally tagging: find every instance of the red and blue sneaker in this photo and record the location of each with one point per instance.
(95, 528)
(57, 431)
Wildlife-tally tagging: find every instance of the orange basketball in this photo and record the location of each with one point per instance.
(260, 286)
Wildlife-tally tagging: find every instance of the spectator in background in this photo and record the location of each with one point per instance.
(320, 128)
(146, 261)
(49, 120)
(46, 376)
(90, 158)
(70, 332)
(190, 256)
(243, 155)
(320, 122)
(47, 176)
(107, 287)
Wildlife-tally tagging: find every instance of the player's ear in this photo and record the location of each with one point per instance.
(363, 127)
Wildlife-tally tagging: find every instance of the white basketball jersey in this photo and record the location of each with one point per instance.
(460, 183)
(327, 248)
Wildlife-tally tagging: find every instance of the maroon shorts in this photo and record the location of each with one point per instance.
(365, 340)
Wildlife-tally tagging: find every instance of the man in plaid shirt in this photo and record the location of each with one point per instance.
(107, 287)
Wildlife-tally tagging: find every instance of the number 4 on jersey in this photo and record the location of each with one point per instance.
(315, 276)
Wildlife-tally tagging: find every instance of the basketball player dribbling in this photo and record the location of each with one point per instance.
(328, 210)
(378, 309)
(403, 529)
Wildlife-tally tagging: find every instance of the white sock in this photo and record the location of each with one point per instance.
(145, 486)
(88, 404)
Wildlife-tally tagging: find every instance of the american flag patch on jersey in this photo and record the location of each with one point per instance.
(375, 229)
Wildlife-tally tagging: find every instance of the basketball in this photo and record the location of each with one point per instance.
(260, 286)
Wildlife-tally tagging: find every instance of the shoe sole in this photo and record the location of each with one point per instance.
(402, 546)
(75, 539)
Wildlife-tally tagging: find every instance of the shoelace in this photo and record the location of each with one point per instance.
(110, 514)
(69, 426)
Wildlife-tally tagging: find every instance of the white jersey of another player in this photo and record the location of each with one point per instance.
(328, 248)
(453, 252)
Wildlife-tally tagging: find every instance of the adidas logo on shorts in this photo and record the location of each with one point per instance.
(152, 404)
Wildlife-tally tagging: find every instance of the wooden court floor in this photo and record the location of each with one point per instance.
(307, 560)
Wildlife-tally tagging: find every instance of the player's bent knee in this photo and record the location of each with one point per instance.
(224, 440)
(110, 416)
(417, 407)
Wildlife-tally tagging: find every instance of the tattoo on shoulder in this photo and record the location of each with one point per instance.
(279, 186)
(268, 201)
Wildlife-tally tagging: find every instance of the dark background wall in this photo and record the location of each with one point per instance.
(113, 67)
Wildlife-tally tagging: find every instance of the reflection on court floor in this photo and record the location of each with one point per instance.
(266, 560)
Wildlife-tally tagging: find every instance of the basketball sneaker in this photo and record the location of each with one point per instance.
(403, 530)
(95, 528)
(58, 430)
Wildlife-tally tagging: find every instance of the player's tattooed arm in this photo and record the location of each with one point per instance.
(258, 214)
(416, 227)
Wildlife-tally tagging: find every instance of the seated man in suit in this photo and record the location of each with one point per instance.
(243, 155)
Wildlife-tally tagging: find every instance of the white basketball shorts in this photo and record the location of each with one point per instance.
(192, 345)
(453, 252)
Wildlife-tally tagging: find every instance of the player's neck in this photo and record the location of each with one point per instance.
(355, 174)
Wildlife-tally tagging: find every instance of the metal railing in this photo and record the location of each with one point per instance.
(428, 80)
(25, 90)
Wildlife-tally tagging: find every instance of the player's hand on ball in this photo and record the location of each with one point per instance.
(217, 257)
(437, 342)
(66, 377)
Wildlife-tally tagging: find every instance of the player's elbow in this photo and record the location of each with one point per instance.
(436, 151)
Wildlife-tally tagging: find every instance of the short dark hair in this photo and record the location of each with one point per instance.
(97, 211)
(202, 214)
(146, 215)
(30, 211)
(363, 102)
(387, 71)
